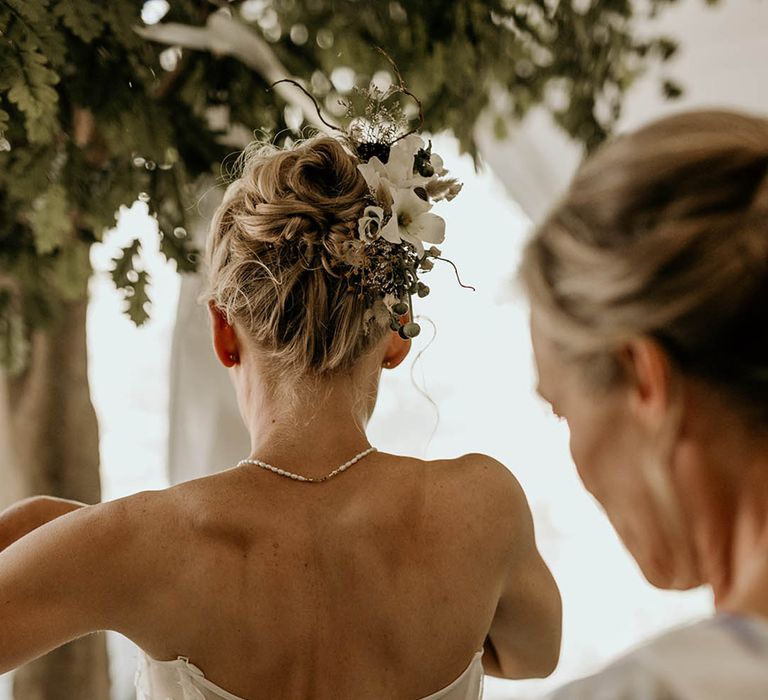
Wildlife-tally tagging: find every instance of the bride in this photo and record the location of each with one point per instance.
(319, 567)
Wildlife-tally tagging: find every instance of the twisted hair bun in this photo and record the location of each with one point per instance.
(275, 256)
(664, 233)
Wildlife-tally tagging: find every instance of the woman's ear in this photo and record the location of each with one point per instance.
(649, 375)
(225, 343)
(396, 350)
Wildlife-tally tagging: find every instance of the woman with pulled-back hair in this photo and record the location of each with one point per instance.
(649, 315)
(318, 567)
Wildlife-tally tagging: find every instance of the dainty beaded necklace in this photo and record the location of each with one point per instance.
(310, 479)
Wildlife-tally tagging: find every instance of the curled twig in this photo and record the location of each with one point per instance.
(456, 271)
(311, 97)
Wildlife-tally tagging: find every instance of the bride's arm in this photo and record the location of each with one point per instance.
(524, 638)
(29, 514)
(69, 577)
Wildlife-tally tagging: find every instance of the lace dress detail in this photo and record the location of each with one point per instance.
(182, 680)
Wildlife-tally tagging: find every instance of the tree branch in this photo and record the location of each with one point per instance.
(222, 35)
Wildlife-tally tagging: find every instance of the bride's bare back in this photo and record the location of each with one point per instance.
(380, 583)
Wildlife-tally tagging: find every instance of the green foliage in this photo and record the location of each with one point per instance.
(83, 18)
(33, 93)
(132, 282)
(92, 114)
(49, 219)
(464, 58)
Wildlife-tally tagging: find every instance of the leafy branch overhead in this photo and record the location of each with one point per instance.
(93, 113)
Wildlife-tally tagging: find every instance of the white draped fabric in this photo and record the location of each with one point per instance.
(205, 430)
(720, 64)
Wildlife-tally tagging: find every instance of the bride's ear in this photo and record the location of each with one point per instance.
(225, 343)
(396, 350)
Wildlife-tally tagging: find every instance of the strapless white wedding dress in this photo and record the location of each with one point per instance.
(182, 680)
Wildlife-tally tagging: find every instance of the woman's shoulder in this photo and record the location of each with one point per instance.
(677, 665)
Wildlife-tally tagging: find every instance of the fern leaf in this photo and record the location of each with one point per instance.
(32, 13)
(32, 26)
(83, 18)
(9, 70)
(122, 17)
(33, 93)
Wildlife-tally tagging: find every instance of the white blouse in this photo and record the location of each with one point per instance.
(722, 658)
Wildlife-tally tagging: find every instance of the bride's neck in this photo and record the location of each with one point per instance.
(308, 427)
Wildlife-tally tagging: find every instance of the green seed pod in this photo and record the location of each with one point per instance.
(410, 330)
(400, 308)
(423, 290)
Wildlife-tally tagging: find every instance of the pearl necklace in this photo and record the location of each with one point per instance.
(310, 479)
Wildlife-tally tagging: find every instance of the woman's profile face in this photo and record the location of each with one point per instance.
(616, 461)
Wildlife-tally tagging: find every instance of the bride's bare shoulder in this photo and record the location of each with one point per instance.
(170, 507)
(149, 517)
(487, 487)
(484, 471)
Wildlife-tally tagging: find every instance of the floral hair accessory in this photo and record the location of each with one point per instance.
(405, 178)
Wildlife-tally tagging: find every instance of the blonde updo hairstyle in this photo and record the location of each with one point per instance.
(274, 258)
(664, 234)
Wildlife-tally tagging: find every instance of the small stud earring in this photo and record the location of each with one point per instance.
(233, 358)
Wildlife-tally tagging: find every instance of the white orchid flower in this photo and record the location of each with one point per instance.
(411, 221)
(437, 165)
(400, 164)
(397, 172)
(370, 223)
(375, 174)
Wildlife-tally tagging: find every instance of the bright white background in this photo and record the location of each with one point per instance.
(478, 370)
